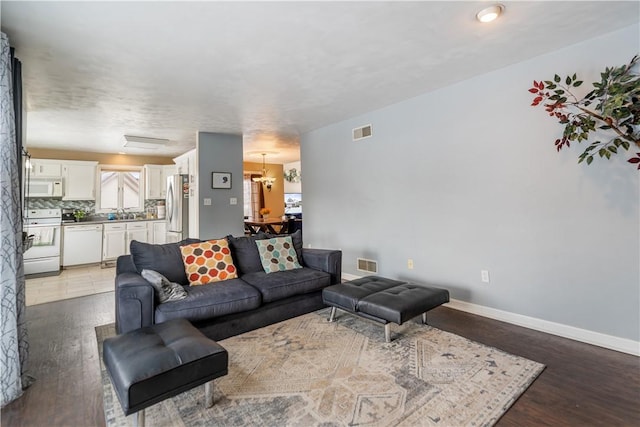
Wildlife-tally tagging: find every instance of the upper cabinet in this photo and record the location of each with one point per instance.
(44, 168)
(155, 178)
(153, 182)
(79, 180)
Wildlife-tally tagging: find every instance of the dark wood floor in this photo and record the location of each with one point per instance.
(582, 385)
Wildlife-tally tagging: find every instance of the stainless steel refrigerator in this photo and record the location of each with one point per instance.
(177, 205)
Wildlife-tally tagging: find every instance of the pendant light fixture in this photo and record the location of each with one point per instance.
(264, 179)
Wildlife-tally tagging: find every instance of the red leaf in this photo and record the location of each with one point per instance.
(533, 90)
(634, 160)
(540, 85)
(557, 141)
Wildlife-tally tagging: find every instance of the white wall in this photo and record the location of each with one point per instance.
(467, 178)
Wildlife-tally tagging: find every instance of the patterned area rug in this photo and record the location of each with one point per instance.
(308, 372)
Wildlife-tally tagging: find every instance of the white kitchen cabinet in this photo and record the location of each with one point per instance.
(79, 180)
(153, 182)
(156, 180)
(159, 232)
(182, 162)
(82, 244)
(114, 238)
(46, 168)
(136, 231)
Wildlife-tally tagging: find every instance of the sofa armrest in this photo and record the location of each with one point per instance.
(124, 264)
(328, 260)
(135, 302)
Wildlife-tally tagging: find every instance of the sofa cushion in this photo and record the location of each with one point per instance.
(277, 254)
(165, 259)
(282, 284)
(208, 262)
(245, 252)
(211, 300)
(296, 238)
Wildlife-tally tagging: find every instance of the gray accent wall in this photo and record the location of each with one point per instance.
(467, 178)
(218, 152)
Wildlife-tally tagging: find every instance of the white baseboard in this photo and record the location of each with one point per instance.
(623, 345)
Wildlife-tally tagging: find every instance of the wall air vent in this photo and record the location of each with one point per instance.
(362, 132)
(368, 265)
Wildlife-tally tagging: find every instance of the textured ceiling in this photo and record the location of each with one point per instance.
(95, 71)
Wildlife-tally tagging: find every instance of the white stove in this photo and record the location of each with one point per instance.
(44, 225)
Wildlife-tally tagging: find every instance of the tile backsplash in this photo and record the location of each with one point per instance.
(86, 205)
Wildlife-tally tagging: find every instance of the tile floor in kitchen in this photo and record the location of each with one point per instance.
(71, 283)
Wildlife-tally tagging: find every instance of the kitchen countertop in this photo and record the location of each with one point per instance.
(111, 221)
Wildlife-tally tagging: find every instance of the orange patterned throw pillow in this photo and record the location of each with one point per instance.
(208, 262)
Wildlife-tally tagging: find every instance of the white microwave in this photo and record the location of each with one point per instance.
(45, 187)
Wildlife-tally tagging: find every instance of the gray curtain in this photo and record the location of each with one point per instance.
(13, 339)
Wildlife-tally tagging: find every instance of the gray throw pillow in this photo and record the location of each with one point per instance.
(165, 290)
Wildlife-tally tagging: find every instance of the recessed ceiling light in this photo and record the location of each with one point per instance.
(490, 13)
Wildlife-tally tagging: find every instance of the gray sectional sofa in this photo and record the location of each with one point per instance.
(231, 307)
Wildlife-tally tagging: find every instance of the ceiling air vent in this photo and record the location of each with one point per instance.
(362, 132)
(368, 265)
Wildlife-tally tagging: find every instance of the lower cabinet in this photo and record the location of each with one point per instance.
(159, 232)
(116, 238)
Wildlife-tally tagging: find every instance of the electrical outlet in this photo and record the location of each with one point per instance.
(233, 201)
(410, 264)
(484, 275)
(207, 202)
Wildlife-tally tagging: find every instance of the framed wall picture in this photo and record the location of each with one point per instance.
(220, 180)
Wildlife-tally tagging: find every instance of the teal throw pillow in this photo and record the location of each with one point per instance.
(277, 254)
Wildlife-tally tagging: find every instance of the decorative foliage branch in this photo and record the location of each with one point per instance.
(292, 175)
(613, 107)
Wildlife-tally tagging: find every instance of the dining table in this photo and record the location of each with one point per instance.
(266, 225)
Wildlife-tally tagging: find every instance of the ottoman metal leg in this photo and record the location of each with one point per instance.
(138, 418)
(333, 314)
(387, 332)
(208, 393)
(424, 318)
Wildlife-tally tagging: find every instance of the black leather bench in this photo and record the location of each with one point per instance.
(154, 363)
(383, 300)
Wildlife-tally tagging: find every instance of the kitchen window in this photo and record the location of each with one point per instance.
(120, 187)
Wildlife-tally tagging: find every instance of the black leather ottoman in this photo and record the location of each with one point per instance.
(347, 295)
(383, 300)
(154, 363)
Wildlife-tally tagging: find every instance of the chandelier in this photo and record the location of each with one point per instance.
(264, 179)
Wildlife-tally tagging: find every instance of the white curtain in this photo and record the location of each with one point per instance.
(13, 338)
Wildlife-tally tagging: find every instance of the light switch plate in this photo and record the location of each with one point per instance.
(233, 201)
(207, 202)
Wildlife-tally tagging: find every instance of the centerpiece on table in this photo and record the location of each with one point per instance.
(265, 212)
